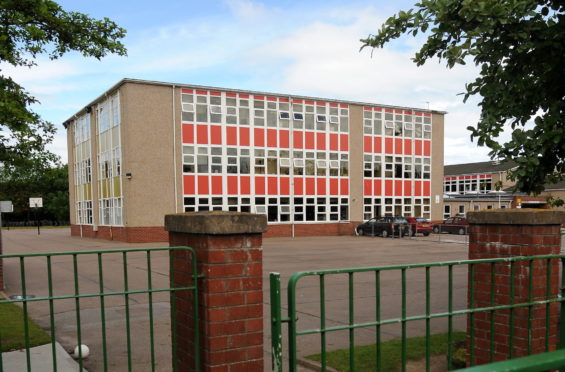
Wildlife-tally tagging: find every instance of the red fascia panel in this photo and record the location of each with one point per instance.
(388, 145)
(202, 92)
(418, 147)
(259, 135)
(407, 112)
(271, 138)
(189, 186)
(215, 135)
(475, 176)
(215, 93)
(427, 188)
(367, 108)
(427, 114)
(284, 186)
(378, 145)
(284, 139)
(343, 105)
(320, 141)
(188, 133)
(377, 109)
(389, 110)
(377, 187)
(189, 91)
(203, 188)
(407, 188)
(245, 96)
(310, 186)
(309, 140)
(398, 187)
(272, 99)
(418, 113)
(245, 185)
(231, 95)
(243, 136)
(320, 103)
(367, 144)
(272, 185)
(298, 141)
(298, 186)
(333, 142)
(408, 147)
(398, 146)
(217, 185)
(283, 99)
(202, 134)
(259, 98)
(333, 104)
(308, 102)
(232, 185)
(367, 187)
(398, 111)
(388, 188)
(334, 186)
(259, 185)
(489, 175)
(343, 142)
(467, 177)
(427, 148)
(231, 136)
(417, 188)
(321, 186)
(296, 101)
(344, 186)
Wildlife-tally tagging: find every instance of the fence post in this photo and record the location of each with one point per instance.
(230, 293)
(509, 333)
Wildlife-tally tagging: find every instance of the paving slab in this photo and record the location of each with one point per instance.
(41, 360)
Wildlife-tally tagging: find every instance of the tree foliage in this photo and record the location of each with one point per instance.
(28, 29)
(519, 47)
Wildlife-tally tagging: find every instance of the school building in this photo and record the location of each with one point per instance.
(314, 166)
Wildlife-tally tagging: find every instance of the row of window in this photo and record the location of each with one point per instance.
(84, 212)
(83, 172)
(278, 209)
(108, 113)
(233, 160)
(461, 208)
(260, 113)
(414, 207)
(110, 211)
(378, 166)
(109, 164)
(377, 123)
(82, 129)
(468, 186)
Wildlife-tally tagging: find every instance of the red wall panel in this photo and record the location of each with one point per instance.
(188, 133)
(417, 188)
(202, 134)
(231, 136)
(232, 185)
(427, 188)
(216, 135)
(260, 185)
(427, 148)
(388, 188)
(344, 186)
(203, 185)
(284, 139)
(321, 141)
(297, 139)
(388, 145)
(334, 186)
(418, 147)
(368, 187)
(189, 185)
(271, 138)
(284, 186)
(310, 186)
(243, 136)
(299, 186)
(259, 135)
(343, 142)
(408, 147)
(334, 142)
(378, 142)
(398, 187)
(216, 185)
(309, 140)
(378, 188)
(321, 186)
(367, 144)
(407, 188)
(245, 185)
(272, 185)
(398, 145)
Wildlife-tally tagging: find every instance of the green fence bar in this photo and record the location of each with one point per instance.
(474, 307)
(533, 363)
(76, 294)
(276, 318)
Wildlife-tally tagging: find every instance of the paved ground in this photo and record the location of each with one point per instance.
(283, 255)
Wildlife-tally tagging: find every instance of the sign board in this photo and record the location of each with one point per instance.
(6, 206)
(36, 202)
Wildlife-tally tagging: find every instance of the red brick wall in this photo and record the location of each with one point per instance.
(503, 241)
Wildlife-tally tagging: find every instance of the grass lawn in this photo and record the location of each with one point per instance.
(365, 359)
(12, 329)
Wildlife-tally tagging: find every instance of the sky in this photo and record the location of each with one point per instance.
(308, 48)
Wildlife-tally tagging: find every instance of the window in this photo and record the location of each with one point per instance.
(321, 118)
(446, 211)
(462, 209)
(298, 116)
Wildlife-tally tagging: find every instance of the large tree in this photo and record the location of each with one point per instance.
(519, 47)
(28, 29)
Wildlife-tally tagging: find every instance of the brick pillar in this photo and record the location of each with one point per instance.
(230, 292)
(510, 233)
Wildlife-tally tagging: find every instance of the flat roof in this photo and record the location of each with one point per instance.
(179, 85)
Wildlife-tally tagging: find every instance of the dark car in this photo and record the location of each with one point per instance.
(453, 225)
(419, 225)
(384, 226)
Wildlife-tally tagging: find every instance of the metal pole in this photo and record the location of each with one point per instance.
(37, 221)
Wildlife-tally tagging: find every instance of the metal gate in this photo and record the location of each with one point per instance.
(116, 301)
(413, 300)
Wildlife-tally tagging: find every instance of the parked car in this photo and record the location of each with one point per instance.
(419, 225)
(453, 225)
(384, 226)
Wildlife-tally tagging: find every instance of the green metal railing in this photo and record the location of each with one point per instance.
(103, 294)
(430, 270)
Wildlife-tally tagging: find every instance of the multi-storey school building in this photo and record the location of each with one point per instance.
(314, 166)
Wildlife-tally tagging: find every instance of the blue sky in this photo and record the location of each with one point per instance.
(296, 47)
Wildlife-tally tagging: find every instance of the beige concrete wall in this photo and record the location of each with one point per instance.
(71, 164)
(356, 162)
(556, 194)
(437, 166)
(469, 205)
(147, 148)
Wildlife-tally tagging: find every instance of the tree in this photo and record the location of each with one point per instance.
(519, 46)
(28, 29)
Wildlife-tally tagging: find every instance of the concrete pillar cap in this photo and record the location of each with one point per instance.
(216, 223)
(517, 217)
